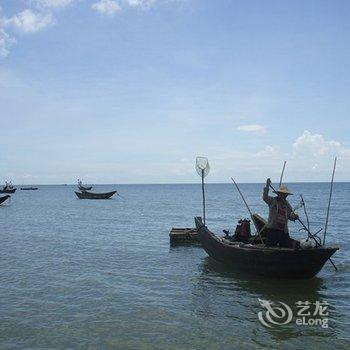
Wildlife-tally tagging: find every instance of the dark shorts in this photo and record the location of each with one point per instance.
(278, 238)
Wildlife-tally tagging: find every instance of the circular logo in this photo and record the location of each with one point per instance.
(276, 313)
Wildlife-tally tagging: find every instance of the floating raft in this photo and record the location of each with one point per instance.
(183, 236)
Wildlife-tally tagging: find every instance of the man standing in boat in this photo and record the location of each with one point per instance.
(280, 212)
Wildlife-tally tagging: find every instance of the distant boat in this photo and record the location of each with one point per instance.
(83, 188)
(261, 260)
(8, 188)
(29, 188)
(3, 199)
(90, 195)
(4, 190)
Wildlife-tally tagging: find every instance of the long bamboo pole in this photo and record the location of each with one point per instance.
(284, 166)
(203, 195)
(250, 212)
(239, 191)
(329, 201)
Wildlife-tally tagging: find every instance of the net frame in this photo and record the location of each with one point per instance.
(202, 166)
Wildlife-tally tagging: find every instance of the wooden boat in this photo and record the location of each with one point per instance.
(261, 260)
(183, 236)
(3, 199)
(90, 195)
(29, 188)
(8, 190)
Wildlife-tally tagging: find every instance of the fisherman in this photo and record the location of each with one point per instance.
(279, 213)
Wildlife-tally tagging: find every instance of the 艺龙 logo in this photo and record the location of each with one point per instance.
(276, 313)
(308, 313)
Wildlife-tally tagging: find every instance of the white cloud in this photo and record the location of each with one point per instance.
(312, 158)
(314, 145)
(345, 152)
(252, 128)
(5, 42)
(140, 3)
(53, 3)
(28, 21)
(309, 158)
(41, 14)
(268, 151)
(108, 7)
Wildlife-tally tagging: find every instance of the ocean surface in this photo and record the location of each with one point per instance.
(82, 274)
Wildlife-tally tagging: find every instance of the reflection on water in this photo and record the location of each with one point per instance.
(262, 287)
(221, 292)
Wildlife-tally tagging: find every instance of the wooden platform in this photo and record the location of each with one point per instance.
(183, 236)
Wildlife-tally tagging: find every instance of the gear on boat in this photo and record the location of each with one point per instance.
(242, 232)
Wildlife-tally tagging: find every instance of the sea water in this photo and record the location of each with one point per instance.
(84, 274)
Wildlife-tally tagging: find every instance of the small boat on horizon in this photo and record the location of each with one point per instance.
(3, 199)
(83, 188)
(29, 188)
(258, 259)
(91, 195)
(8, 188)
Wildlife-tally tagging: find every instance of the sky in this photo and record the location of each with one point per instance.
(131, 91)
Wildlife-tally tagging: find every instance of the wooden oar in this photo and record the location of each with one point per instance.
(306, 229)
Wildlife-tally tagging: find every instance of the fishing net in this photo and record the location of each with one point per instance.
(202, 166)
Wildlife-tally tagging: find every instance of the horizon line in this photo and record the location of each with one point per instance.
(175, 183)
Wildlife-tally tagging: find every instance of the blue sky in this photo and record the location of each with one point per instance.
(132, 91)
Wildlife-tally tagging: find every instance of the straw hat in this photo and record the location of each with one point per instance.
(284, 189)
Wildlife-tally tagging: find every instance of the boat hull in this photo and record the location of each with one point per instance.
(3, 199)
(264, 261)
(29, 188)
(90, 195)
(13, 190)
